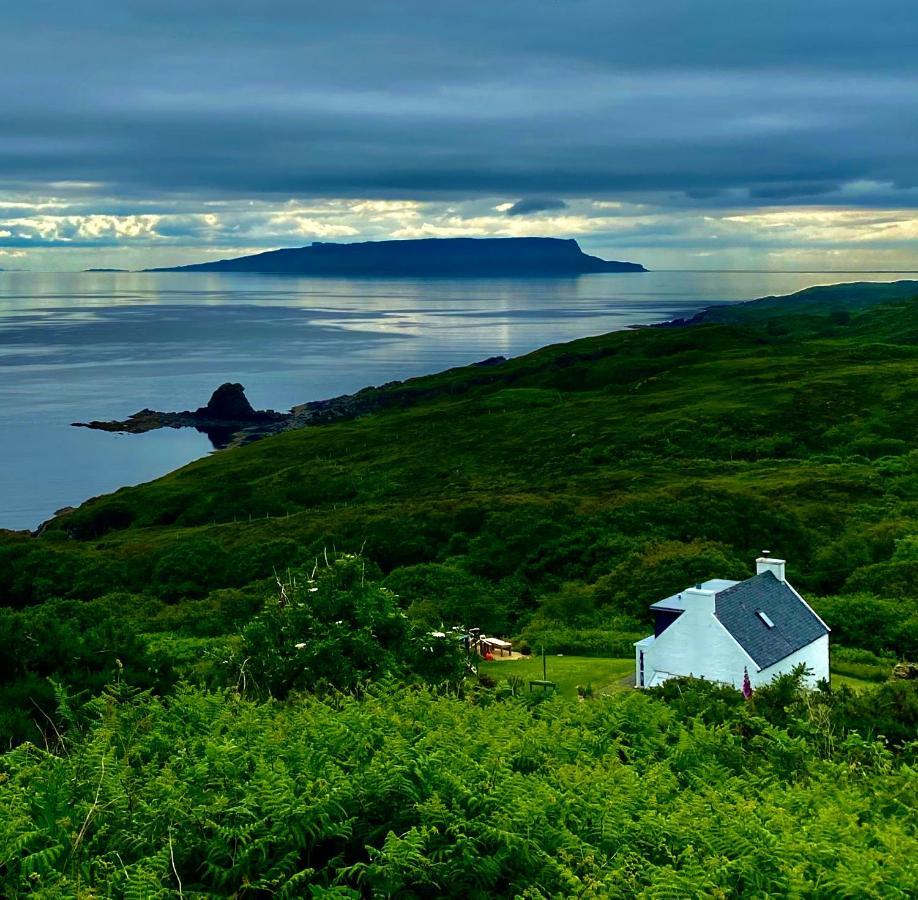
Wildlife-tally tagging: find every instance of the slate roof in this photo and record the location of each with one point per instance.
(737, 609)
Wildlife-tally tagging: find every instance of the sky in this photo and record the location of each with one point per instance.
(699, 135)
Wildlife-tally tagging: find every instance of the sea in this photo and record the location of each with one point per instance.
(102, 345)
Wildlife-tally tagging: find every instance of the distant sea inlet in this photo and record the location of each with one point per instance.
(102, 345)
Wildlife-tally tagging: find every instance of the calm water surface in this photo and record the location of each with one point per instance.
(75, 347)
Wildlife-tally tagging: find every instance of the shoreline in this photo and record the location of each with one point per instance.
(232, 431)
(406, 392)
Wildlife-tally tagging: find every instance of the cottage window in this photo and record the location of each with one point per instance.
(765, 619)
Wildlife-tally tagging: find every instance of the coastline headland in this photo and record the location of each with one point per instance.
(229, 420)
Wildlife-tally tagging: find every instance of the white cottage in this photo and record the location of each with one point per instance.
(719, 630)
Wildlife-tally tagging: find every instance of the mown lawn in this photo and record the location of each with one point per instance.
(605, 675)
(856, 684)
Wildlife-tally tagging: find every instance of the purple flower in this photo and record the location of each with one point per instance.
(747, 684)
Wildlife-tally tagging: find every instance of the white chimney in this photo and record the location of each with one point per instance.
(766, 563)
(698, 600)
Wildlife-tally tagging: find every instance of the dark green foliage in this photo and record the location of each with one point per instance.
(189, 568)
(441, 595)
(336, 628)
(93, 521)
(659, 570)
(557, 637)
(710, 703)
(408, 794)
(218, 613)
(555, 495)
(78, 644)
(888, 713)
(896, 578)
(875, 623)
(590, 478)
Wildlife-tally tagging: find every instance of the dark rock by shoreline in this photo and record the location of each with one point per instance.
(229, 420)
(227, 412)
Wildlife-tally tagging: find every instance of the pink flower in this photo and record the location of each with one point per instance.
(747, 684)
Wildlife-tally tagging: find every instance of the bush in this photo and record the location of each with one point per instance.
(411, 794)
(663, 568)
(892, 579)
(557, 638)
(878, 624)
(94, 519)
(190, 567)
(336, 629)
(220, 612)
(438, 595)
(79, 645)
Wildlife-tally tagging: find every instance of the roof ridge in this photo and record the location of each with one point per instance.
(758, 577)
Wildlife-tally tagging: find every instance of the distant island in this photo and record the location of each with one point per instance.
(428, 256)
(106, 270)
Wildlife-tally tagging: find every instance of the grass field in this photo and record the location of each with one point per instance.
(877, 676)
(605, 675)
(856, 684)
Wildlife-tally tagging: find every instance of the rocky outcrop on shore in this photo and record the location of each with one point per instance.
(229, 420)
(227, 412)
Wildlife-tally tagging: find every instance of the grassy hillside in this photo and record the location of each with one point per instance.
(581, 482)
(209, 690)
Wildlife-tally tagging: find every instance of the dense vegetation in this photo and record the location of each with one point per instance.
(206, 692)
(415, 794)
(575, 485)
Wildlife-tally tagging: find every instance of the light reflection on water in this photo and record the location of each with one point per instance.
(103, 345)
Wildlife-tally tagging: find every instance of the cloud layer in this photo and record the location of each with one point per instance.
(682, 128)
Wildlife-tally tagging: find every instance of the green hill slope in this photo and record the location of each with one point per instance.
(326, 743)
(580, 482)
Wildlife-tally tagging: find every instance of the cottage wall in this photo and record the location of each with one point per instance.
(697, 644)
(814, 656)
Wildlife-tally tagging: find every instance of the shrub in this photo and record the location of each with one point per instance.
(190, 567)
(94, 519)
(557, 638)
(333, 628)
(407, 793)
(438, 595)
(879, 624)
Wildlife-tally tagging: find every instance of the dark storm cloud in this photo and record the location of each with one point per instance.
(534, 205)
(782, 100)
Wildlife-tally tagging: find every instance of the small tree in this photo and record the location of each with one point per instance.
(333, 627)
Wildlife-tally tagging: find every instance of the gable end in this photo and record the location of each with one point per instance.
(745, 610)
